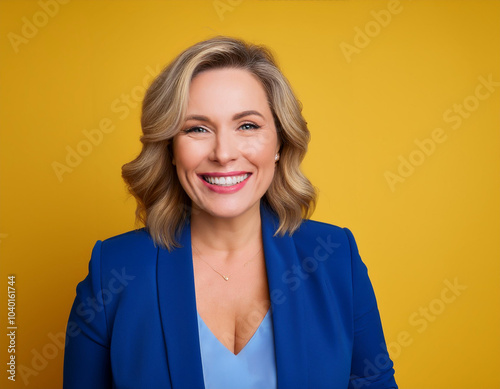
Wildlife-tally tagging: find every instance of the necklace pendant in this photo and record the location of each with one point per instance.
(226, 278)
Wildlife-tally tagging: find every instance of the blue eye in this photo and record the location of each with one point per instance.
(249, 126)
(195, 129)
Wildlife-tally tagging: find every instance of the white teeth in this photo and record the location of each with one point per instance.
(225, 181)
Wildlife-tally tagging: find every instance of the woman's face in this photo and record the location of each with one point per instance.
(225, 151)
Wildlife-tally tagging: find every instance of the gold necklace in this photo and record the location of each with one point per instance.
(225, 277)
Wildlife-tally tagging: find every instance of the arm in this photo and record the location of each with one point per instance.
(86, 355)
(371, 367)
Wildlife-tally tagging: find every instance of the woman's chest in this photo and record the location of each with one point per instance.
(232, 309)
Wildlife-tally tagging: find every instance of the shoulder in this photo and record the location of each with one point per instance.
(129, 239)
(310, 229)
(316, 234)
(127, 247)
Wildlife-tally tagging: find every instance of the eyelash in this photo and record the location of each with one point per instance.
(193, 129)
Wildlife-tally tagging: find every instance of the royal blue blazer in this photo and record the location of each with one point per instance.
(133, 323)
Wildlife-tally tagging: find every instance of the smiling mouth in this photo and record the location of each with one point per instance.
(226, 181)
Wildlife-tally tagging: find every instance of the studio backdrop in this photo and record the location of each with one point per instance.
(402, 100)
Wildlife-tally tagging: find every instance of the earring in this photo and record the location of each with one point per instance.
(276, 157)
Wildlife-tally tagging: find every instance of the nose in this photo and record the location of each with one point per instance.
(225, 148)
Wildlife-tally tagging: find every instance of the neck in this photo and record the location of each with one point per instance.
(226, 234)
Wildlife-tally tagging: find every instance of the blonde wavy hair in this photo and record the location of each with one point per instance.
(162, 205)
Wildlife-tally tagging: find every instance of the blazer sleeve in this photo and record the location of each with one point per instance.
(371, 366)
(86, 354)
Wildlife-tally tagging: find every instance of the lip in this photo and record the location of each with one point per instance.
(224, 174)
(224, 189)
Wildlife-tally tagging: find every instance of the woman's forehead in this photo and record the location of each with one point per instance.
(226, 91)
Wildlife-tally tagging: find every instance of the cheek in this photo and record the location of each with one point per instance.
(260, 148)
(186, 155)
(263, 159)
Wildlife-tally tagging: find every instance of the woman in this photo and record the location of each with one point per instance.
(228, 285)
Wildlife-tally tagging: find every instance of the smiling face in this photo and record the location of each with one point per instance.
(225, 151)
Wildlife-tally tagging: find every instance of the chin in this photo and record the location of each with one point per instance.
(226, 213)
(227, 210)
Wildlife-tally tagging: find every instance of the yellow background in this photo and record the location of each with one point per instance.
(440, 225)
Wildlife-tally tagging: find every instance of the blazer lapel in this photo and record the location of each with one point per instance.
(177, 300)
(288, 306)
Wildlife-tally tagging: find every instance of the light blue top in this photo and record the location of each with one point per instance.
(254, 367)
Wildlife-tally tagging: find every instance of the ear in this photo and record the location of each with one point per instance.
(278, 148)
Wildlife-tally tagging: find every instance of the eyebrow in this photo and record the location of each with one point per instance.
(235, 117)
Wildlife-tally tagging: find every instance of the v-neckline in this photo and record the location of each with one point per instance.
(177, 301)
(247, 343)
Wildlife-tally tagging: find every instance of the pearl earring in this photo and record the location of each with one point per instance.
(276, 157)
